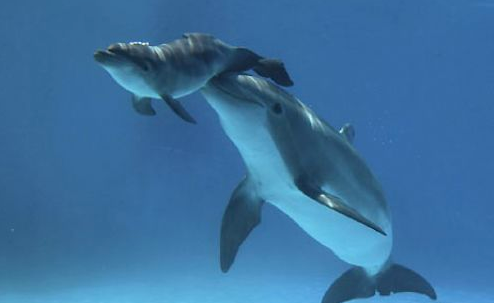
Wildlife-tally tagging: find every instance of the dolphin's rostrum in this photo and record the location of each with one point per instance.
(312, 173)
(178, 68)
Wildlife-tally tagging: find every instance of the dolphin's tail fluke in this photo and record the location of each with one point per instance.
(356, 283)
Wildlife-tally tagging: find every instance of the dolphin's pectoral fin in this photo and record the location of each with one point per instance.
(356, 283)
(338, 205)
(335, 204)
(178, 108)
(242, 214)
(143, 106)
(348, 132)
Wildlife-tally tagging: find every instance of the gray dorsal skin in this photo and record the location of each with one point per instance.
(172, 70)
(312, 173)
(348, 132)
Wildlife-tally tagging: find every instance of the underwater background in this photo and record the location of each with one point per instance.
(99, 204)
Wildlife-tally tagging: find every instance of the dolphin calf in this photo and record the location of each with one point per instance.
(312, 173)
(176, 69)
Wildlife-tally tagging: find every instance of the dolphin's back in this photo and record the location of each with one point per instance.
(195, 49)
(339, 167)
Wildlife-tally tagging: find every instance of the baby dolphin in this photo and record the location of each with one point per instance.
(312, 173)
(176, 69)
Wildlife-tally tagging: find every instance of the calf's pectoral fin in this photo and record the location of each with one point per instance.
(143, 106)
(178, 108)
(242, 214)
(334, 203)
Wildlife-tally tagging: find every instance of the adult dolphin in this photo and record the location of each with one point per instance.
(312, 173)
(178, 68)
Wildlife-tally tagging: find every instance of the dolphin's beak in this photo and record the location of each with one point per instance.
(108, 57)
(102, 56)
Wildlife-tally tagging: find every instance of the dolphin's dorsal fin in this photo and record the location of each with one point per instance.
(334, 203)
(348, 132)
(242, 214)
(143, 106)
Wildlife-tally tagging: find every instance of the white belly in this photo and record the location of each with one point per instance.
(350, 241)
(179, 84)
(132, 82)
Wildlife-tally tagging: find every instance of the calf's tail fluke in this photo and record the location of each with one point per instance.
(245, 59)
(273, 69)
(356, 283)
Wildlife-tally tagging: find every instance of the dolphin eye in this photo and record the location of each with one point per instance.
(277, 109)
(145, 66)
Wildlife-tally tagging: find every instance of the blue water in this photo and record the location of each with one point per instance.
(100, 205)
